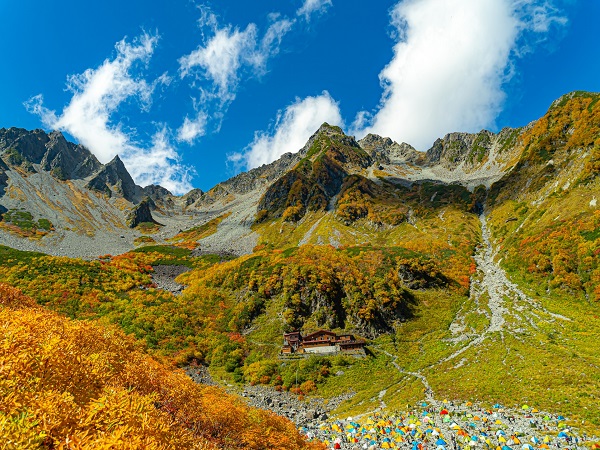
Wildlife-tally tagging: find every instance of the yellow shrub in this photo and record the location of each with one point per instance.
(76, 384)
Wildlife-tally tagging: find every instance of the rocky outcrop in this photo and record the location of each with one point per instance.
(164, 277)
(244, 182)
(31, 145)
(63, 159)
(317, 178)
(114, 178)
(67, 161)
(141, 214)
(3, 177)
(192, 197)
(161, 197)
(386, 151)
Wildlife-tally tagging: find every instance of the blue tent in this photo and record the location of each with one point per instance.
(506, 447)
(440, 442)
(562, 434)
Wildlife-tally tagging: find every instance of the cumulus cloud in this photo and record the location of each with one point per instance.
(228, 51)
(227, 56)
(159, 164)
(291, 130)
(221, 57)
(192, 128)
(449, 65)
(310, 7)
(97, 96)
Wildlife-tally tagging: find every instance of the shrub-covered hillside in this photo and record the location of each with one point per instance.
(79, 385)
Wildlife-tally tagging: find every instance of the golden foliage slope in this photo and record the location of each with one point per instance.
(76, 385)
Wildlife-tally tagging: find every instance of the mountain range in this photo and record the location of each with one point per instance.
(472, 269)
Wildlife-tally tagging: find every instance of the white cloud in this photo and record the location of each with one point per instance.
(97, 95)
(159, 164)
(192, 129)
(449, 65)
(310, 7)
(292, 129)
(221, 57)
(229, 51)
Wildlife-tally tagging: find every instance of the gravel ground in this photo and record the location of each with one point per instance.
(164, 277)
(307, 413)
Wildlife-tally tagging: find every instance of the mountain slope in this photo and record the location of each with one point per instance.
(473, 267)
(68, 384)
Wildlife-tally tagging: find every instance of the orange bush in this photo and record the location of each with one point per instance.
(76, 384)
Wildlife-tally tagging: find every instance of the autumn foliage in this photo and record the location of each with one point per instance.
(68, 384)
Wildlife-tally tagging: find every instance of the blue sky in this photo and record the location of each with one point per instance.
(190, 93)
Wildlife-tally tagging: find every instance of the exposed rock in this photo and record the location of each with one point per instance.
(53, 152)
(141, 214)
(114, 177)
(3, 177)
(164, 277)
(317, 178)
(245, 182)
(161, 197)
(200, 374)
(387, 151)
(192, 196)
(304, 413)
(457, 148)
(66, 160)
(31, 145)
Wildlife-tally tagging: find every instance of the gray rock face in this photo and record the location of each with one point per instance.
(113, 177)
(66, 160)
(161, 197)
(3, 177)
(53, 152)
(246, 181)
(457, 148)
(141, 213)
(192, 197)
(164, 277)
(30, 144)
(386, 151)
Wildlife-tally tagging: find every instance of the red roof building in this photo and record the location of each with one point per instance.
(321, 341)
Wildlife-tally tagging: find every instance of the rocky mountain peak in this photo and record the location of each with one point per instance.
(52, 152)
(30, 145)
(115, 177)
(66, 160)
(384, 150)
(458, 148)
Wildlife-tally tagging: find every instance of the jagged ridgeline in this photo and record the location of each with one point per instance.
(473, 266)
